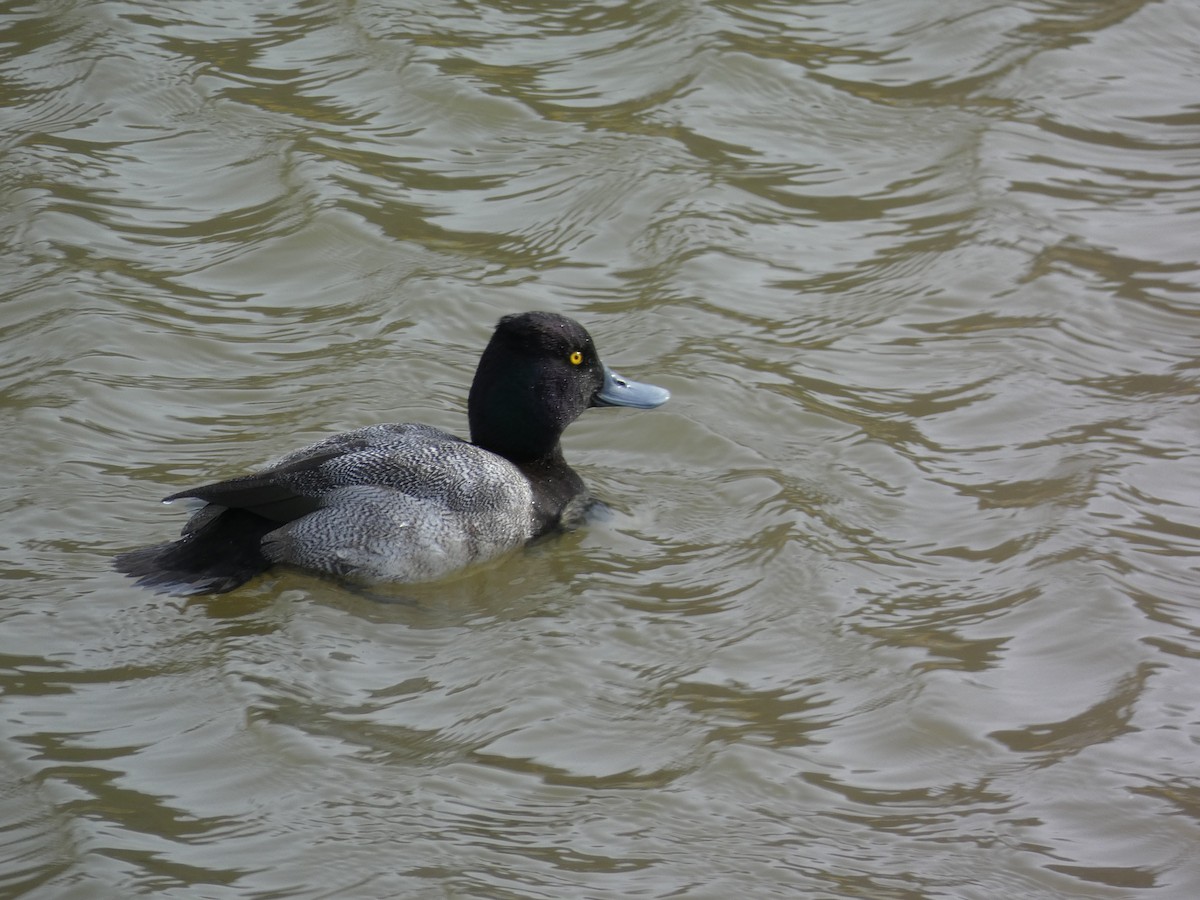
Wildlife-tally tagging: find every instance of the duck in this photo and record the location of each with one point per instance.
(408, 503)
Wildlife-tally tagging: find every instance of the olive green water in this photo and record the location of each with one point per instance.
(899, 595)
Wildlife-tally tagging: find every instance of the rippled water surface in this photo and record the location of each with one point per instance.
(899, 596)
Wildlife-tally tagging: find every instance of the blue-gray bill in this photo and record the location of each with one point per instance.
(618, 391)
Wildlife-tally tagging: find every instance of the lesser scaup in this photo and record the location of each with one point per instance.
(409, 503)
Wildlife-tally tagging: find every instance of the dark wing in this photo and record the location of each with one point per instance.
(390, 455)
(276, 493)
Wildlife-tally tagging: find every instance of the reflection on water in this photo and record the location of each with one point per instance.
(897, 597)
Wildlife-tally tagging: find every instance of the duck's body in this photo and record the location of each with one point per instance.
(408, 502)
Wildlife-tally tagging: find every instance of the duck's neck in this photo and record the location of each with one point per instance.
(559, 494)
(517, 439)
(509, 413)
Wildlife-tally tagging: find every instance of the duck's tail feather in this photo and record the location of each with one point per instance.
(211, 558)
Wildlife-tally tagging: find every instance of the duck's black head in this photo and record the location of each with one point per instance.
(538, 374)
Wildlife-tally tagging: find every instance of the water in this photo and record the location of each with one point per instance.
(898, 597)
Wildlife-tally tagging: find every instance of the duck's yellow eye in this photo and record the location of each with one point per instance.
(576, 358)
